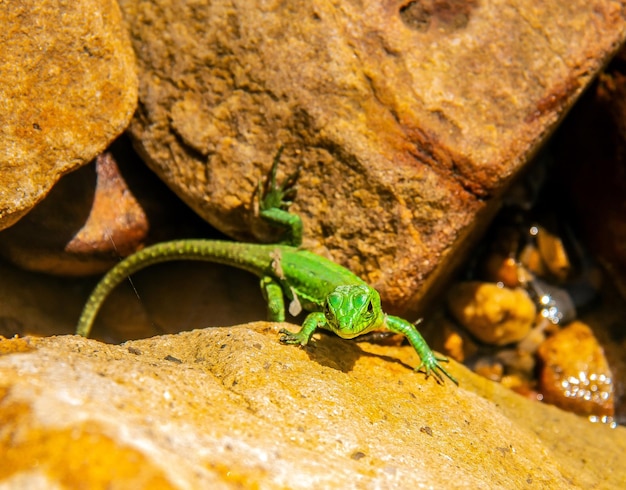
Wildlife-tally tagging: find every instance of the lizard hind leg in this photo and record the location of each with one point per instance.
(273, 294)
(274, 202)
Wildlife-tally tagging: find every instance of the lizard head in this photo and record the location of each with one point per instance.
(353, 310)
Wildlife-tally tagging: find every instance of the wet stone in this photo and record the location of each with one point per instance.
(575, 374)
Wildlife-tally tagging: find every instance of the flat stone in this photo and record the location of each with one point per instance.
(69, 87)
(409, 125)
(233, 408)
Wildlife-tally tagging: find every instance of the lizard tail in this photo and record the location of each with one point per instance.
(236, 254)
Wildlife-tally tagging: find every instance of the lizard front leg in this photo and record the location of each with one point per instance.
(430, 362)
(312, 322)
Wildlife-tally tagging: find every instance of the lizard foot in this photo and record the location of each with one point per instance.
(273, 204)
(431, 365)
(288, 337)
(273, 195)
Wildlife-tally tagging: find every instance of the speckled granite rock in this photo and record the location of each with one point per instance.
(407, 117)
(232, 408)
(69, 87)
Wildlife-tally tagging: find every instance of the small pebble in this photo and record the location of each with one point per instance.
(575, 374)
(493, 314)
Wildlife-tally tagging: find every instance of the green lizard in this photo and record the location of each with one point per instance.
(338, 300)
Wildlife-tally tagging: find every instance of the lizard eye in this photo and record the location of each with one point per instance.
(326, 310)
(370, 308)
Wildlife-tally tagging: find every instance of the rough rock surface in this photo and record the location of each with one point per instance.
(233, 408)
(69, 87)
(407, 117)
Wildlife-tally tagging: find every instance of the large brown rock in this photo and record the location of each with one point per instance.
(409, 118)
(69, 87)
(233, 408)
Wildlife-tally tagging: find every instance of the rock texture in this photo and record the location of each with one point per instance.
(69, 87)
(409, 118)
(232, 408)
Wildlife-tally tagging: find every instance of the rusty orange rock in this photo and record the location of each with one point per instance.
(575, 374)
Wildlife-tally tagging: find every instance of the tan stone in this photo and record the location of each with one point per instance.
(495, 315)
(232, 408)
(69, 87)
(407, 117)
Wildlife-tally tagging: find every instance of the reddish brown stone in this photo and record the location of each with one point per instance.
(98, 214)
(88, 221)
